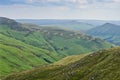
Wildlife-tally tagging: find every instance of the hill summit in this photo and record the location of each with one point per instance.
(11, 23)
(109, 32)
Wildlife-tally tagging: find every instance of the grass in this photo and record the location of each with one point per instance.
(70, 59)
(16, 55)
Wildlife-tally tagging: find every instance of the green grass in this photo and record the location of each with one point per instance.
(100, 65)
(70, 59)
(68, 43)
(16, 55)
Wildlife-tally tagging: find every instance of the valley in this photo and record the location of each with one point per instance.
(27, 48)
(60, 40)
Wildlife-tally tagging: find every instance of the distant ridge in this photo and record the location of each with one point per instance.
(109, 32)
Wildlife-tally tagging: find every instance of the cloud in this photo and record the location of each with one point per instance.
(62, 9)
(29, 1)
(73, 3)
(43, 1)
(117, 1)
(67, 3)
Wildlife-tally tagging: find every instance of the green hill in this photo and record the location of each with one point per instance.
(100, 65)
(69, 59)
(67, 42)
(109, 32)
(16, 56)
(24, 46)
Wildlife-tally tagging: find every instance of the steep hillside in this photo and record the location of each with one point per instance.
(109, 32)
(101, 65)
(16, 56)
(67, 42)
(12, 24)
(70, 59)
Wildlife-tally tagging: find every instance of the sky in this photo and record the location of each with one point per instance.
(61, 9)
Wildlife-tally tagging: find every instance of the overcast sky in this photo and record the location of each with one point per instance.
(61, 9)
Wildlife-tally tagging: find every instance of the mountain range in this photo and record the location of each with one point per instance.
(77, 25)
(109, 32)
(74, 25)
(26, 46)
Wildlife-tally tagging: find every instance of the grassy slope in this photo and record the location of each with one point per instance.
(101, 65)
(29, 37)
(70, 59)
(16, 55)
(58, 41)
(68, 42)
